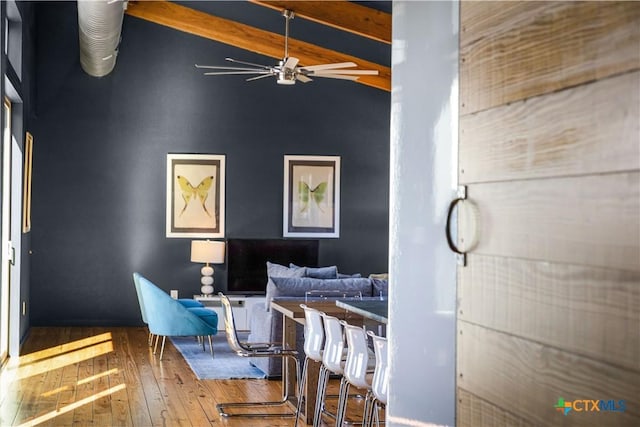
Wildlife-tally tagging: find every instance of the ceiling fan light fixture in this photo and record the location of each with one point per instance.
(283, 80)
(286, 79)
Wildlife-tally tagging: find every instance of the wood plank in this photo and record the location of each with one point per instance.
(511, 372)
(591, 220)
(343, 15)
(516, 50)
(179, 381)
(70, 375)
(124, 358)
(85, 387)
(120, 412)
(249, 38)
(591, 128)
(472, 411)
(146, 365)
(101, 388)
(593, 312)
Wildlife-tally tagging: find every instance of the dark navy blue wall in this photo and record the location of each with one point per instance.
(100, 154)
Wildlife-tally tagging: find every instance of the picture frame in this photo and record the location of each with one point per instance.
(26, 190)
(311, 202)
(195, 195)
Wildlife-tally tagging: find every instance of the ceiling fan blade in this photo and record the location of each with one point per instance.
(303, 78)
(338, 76)
(291, 63)
(222, 73)
(226, 67)
(329, 66)
(259, 77)
(267, 67)
(355, 72)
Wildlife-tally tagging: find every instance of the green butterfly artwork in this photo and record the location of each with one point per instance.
(189, 192)
(317, 194)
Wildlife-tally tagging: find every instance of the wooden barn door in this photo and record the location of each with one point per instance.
(549, 302)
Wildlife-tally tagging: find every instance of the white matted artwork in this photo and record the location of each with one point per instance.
(195, 195)
(311, 196)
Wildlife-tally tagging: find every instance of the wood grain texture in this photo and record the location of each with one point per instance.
(528, 378)
(472, 411)
(591, 220)
(249, 38)
(594, 312)
(343, 15)
(511, 51)
(47, 384)
(588, 129)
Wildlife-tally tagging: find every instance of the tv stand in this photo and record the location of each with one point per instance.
(242, 306)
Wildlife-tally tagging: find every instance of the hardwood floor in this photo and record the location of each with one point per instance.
(109, 377)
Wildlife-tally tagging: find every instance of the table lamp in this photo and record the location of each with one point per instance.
(207, 251)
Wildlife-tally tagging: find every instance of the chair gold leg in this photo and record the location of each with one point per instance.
(162, 348)
(155, 346)
(210, 345)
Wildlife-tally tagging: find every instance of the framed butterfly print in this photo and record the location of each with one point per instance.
(311, 196)
(195, 195)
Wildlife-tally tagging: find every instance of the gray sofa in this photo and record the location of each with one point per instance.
(292, 283)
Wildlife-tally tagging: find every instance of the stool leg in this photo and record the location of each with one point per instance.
(303, 379)
(342, 402)
(369, 406)
(322, 388)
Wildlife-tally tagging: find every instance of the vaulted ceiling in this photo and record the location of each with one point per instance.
(342, 15)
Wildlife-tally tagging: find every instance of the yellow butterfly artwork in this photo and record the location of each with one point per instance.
(201, 191)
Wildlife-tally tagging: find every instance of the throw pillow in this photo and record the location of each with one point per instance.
(347, 276)
(380, 287)
(277, 270)
(330, 272)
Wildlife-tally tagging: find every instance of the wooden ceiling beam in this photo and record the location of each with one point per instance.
(343, 15)
(249, 38)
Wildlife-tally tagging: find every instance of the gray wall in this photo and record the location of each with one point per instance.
(424, 131)
(100, 153)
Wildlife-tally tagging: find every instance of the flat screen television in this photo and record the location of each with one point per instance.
(247, 261)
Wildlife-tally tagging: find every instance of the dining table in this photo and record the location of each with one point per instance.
(376, 309)
(293, 314)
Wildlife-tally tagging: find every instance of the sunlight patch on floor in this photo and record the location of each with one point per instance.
(84, 381)
(65, 359)
(64, 348)
(72, 406)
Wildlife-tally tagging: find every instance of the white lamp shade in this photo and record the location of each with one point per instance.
(207, 251)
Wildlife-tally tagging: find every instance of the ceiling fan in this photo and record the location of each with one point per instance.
(287, 71)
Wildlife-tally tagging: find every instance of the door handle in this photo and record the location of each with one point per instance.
(461, 256)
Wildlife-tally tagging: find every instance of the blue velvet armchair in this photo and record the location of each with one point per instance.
(166, 316)
(187, 302)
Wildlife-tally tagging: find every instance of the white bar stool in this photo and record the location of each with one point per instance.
(332, 361)
(313, 348)
(355, 369)
(380, 382)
